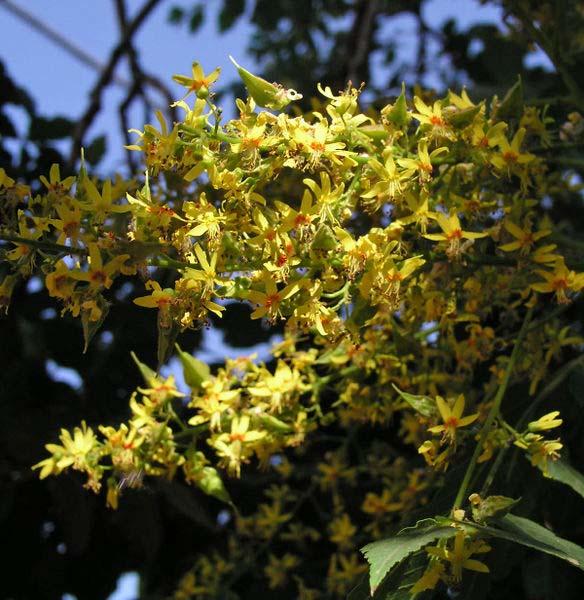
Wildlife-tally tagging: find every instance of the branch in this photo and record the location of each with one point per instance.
(361, 39)
(106, 77)
(57, 39)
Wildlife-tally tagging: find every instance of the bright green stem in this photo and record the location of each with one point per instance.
(493, 412)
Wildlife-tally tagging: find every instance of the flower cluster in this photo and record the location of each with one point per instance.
(407, 244)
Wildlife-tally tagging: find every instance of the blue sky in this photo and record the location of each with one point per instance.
(60, 84)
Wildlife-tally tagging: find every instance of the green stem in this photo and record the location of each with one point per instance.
(42, 245)
(493, 413)
(552, 385)
(168, 263)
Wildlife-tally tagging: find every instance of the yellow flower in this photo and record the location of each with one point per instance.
(276, 389)
(525, 238)
(100, 205)
(422, 165)
(74, 452)
(58, 282)
(342, 531)
(429, 579)
(380, 505)
(489, 138)
(333, 471)
(432, 119)
(452, 418)
(452, 234)
(549, 421)
(99, 275)
(199, 82)
(236, 446)
(5, 181)
(213, 404)
(160, 298)
(561, 281)
(510, 155)
(459, 555)
(277, 569)
(328, 199)
(539, 449)
(55, 184)
(389, 185)
(6, 288)
(269, 301)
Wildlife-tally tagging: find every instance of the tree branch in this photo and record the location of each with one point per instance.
(106, 77)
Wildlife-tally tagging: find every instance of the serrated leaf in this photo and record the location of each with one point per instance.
(386, 554)
(422, 404)
(195, 371)
(528, 533)
(561, 471)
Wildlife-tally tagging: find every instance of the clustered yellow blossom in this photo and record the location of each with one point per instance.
(405, 244)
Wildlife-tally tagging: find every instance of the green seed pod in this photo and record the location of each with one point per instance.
(263, 92)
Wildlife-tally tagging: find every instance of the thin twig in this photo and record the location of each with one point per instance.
(106, 77)
(78, 53)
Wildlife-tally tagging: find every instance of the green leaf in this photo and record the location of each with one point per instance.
(324, 239)
(398, 113)
(176, 15)
(148, 374)
(231, 11)
(397, 585)
(263, 92)
(528, 533)
(422, 404)
(197, 18)
(91, 327)
(361, 313)
(375, 132)
(491, 507)
(386, 554)
(360, 591)
(96, 150)
(462, 118)
(42, 129)
(512, 104)
(273, 424)
(195, 371)
(563, 472)
(212, 484)
(166, 338)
